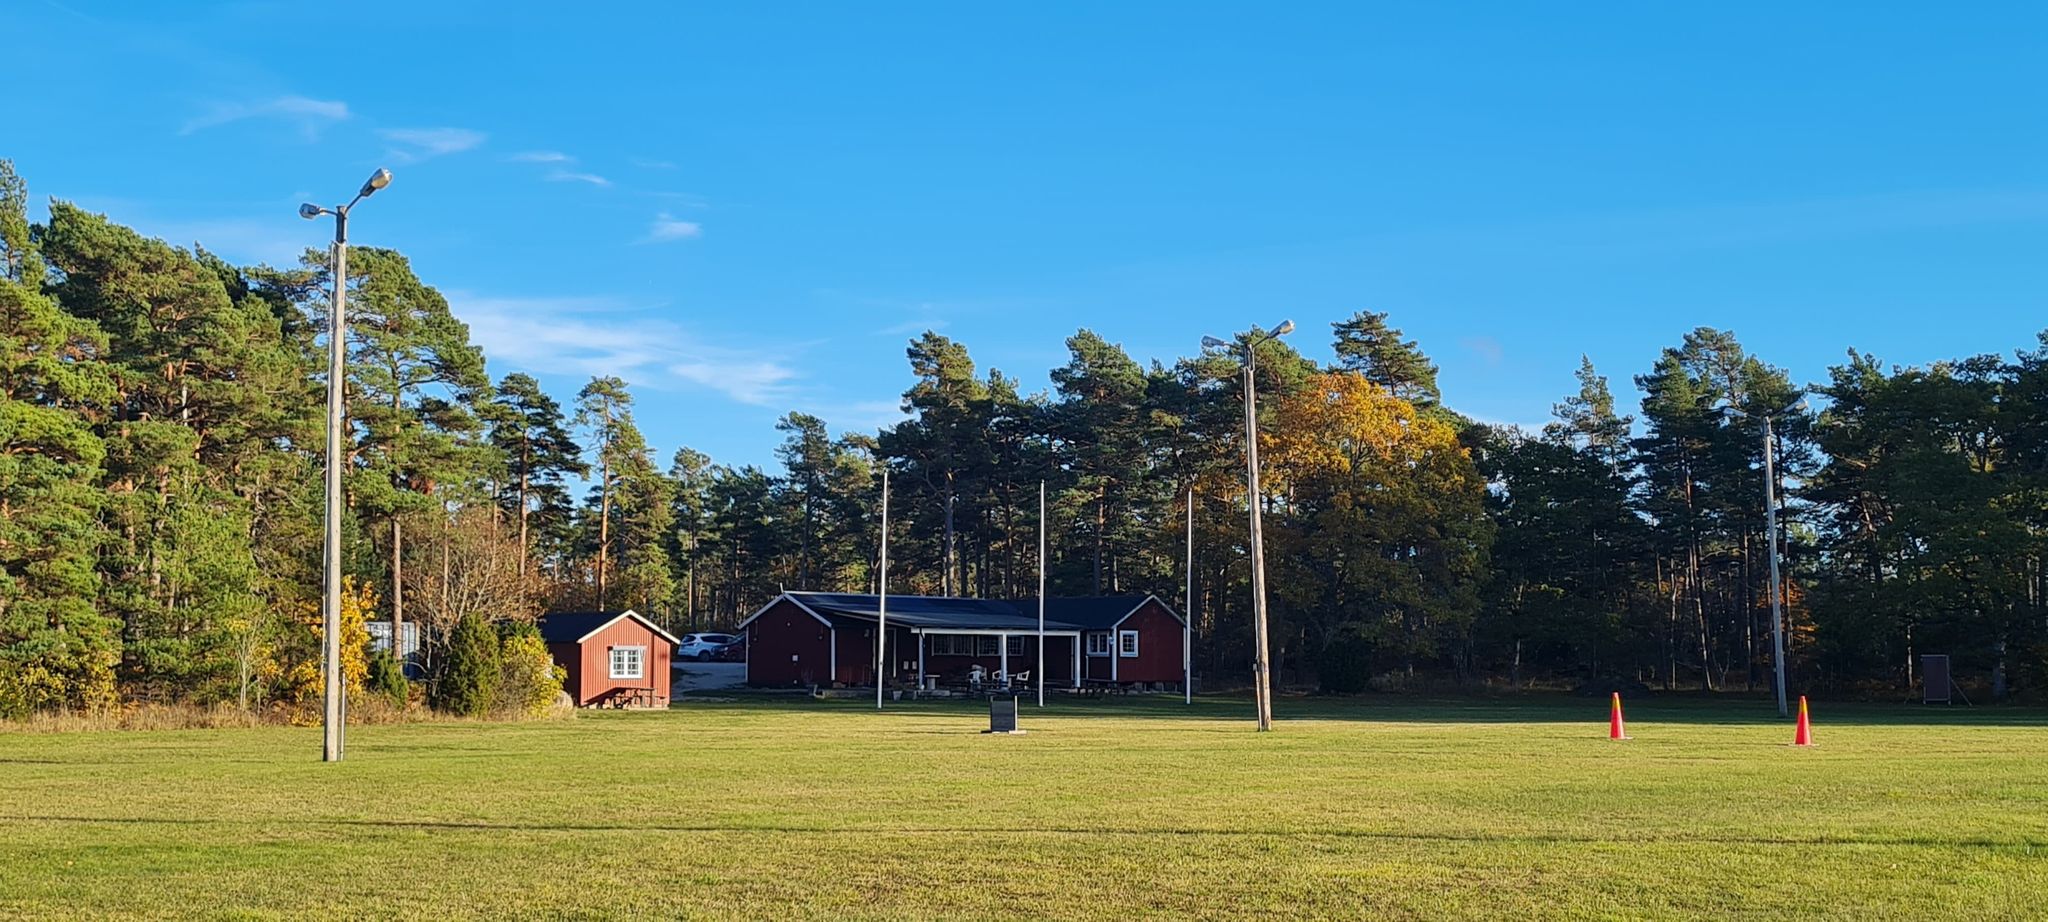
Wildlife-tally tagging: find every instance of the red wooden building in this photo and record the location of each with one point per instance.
(614, 658)
(826, 639)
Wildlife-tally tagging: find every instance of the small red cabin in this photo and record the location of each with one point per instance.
(614, 658)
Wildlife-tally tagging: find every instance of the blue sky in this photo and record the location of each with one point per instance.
(744, 209)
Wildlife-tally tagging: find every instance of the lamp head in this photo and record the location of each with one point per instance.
(377, 180)
(1211, 342)
(1285, 327)
(309, 211)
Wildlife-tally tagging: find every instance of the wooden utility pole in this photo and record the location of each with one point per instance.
(1262, 683)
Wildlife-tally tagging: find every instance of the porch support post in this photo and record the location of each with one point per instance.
(1076, 641)
(1003, 642)
(920, 661)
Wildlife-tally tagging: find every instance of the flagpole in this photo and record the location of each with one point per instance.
(882, 612)
(1041, 594)
(1187, 627)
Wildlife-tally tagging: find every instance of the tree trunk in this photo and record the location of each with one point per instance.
(1998, 688)
(604, 531)
(1670, 627)
(447, 582)
(803, 570)
(1699, 610)
(946, 565)
(525, 473)
(1101, 521)
(398, 590)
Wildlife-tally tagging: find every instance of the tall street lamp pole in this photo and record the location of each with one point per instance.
(1262, 668)
(334, 693)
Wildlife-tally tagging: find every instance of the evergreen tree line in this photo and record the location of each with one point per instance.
(161, 434)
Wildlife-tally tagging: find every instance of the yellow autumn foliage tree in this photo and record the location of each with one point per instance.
(1379, 528)
(302, 677)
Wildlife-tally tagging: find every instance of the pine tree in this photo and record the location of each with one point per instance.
(602, 407)
(467, 683)
(1587, 420)
(1368, 346)
(1100, 421)
(413, 376)
(56, 649)
(806, 453)
(940, 450)
(690, 477)
(528, 430)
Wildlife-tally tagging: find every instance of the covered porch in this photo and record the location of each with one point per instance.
(996, 658)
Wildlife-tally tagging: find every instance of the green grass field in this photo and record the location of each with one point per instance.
(782, 809)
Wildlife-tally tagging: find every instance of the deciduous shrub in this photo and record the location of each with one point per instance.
(528, 679)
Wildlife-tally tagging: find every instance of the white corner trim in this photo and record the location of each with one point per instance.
(1141, 604)
(629, 613)
(771, 604)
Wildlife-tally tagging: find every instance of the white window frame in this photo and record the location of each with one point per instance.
(1127, 644)
(973, 645)
(639, 662)
(1104, 647)
(1016, 645)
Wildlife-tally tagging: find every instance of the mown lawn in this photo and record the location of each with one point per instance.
(788, 809)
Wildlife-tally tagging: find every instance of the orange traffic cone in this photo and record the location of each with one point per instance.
(1614, 728)
(1804, 735)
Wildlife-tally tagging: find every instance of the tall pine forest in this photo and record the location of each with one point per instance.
(161, 437)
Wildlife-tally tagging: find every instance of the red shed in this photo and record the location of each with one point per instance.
(827, 638)
(614, 658)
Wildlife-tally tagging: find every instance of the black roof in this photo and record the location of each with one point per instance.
(1093, 613)
(947, 613)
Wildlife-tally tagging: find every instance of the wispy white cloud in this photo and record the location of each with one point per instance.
(276, 236)
(309, 115)
(541, 156)
(571, 176)
(604, 336)
(667, 228)
(760, 382)
(860, 415)
(412, 145)
(1486, 347)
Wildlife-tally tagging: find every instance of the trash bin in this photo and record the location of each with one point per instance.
(1002, 714)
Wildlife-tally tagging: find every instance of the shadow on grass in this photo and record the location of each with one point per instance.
(1554, 708)
(979, 833)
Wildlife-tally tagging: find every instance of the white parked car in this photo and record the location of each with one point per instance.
(699, 647)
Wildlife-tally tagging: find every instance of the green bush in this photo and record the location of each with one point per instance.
(387, 677)
(468, 681)
(528, 679)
